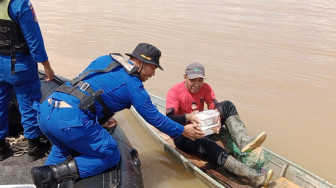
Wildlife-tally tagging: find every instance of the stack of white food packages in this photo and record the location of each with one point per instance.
(208, 119)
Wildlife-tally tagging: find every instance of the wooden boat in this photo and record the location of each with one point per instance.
(286, 173)
(15, 171)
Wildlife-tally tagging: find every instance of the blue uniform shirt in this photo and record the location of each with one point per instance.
(22, 12)
(122, 90)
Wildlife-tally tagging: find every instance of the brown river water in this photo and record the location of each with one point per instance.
(276, 60)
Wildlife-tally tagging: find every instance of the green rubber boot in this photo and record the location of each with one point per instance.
(238, 134)
(241, 170)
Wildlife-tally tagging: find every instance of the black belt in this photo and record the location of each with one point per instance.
(87, 101)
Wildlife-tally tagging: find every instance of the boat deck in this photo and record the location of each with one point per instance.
(221, 174)
(17, 169)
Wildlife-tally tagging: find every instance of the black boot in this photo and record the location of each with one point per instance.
(52, 175)
(5, 151)
(37, 148)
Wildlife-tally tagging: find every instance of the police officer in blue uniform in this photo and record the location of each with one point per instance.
(71, 117)
(21, 47)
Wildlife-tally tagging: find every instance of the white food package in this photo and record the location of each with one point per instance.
(208, 117)
(210, 129)
(208, 121)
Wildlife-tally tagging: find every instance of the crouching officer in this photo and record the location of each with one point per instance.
(21, 47)
(72, 115)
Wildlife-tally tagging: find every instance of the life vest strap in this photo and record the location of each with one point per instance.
(110, 67)
(87, 101)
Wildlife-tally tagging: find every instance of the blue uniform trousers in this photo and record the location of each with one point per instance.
(26, 94)
(71, 129)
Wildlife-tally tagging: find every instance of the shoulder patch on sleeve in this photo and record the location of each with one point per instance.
(32, 10)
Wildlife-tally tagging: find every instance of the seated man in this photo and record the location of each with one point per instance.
(187, 98)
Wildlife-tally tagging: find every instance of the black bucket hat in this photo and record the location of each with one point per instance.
(147, 53)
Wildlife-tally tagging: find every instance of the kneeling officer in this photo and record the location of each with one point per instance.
(72, 115)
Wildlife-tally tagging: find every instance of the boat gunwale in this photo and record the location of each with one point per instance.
(288, 168)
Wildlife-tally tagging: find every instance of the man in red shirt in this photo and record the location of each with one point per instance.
(187, 98)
